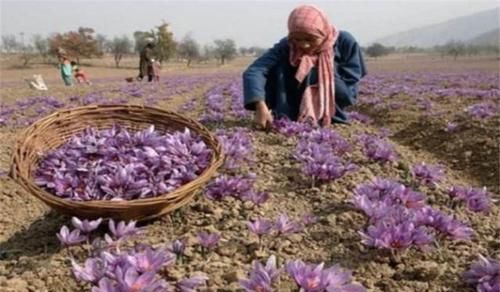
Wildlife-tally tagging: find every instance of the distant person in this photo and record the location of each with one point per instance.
(65, 67)
(156, 70)
(310, 75)
(146, 62)
(80, 75)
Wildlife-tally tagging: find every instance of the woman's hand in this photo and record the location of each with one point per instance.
(263, 118)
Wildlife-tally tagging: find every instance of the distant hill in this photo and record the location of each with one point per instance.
(491, 37)
(482, 25)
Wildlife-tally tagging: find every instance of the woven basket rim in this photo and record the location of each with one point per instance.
(15, 173)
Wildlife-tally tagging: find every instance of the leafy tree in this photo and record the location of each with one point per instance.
(376, 50)
(141, 39)
(80, 44)
(225, 50)
(165, 44)
(163, 39)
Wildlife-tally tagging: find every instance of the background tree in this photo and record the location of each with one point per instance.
(376, 50)
(140, 38)
(41, 45)
(10, 43)
(225, 50)
(27, 54)
(455, 49)
(80, 44)
(188, 49)
(165, 44)
(207, 53)
(101, 42)
(119, 47)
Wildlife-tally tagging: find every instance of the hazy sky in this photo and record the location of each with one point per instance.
(248, 22)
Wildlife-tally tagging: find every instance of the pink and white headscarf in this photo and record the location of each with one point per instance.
(318, 102)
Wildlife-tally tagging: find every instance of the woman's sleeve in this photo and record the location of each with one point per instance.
(349, 71)
(255, 76)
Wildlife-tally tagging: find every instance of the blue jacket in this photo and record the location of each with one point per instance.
(271, 78)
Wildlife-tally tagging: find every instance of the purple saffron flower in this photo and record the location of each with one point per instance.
(131, 280)
(151, 260)
(339, 280)
(290, 128)
(122, 229)
(396, 236)
(451, 127)
(177, 247)
(260, 226)
(377, 149)
(477, 199)
(261, 277)
(208, 240)
(70, 238)
(484, 274)
(427, 174)
(92, 271)
(237, 186)
(308, 277)
(313, 278)
(443, 223)
(191, 284)
(285, 226)
(86, 226)
(257, 198)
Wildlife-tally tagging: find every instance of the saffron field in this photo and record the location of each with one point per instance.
(403, 199)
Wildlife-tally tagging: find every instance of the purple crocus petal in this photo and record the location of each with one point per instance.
(427, 174)
(260, 226)
(285, 226)
(191, 284)
(68, 238)
(86, 226)
(92, 271)
(151, 260)
(122, 229)
(106, 285)
(261, 278)
(208, 240)
(131, 280)
(177, 247)
(484, 274)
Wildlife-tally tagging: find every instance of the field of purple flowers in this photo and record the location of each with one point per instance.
(403, 199)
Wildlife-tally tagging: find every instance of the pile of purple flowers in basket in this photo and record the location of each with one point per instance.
(117, 164)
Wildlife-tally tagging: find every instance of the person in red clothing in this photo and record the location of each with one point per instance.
(79, 74)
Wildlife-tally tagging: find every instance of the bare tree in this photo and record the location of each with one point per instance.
(119, 47)
(188, 49)
(10, 43)
(42, 46)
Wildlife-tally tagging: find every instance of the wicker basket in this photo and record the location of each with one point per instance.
(53, 130)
